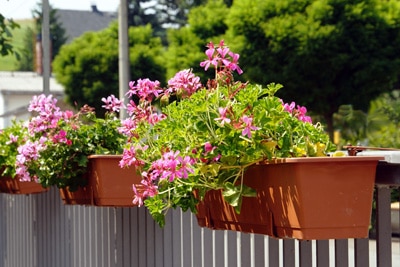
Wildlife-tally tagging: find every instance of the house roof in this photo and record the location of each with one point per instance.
(25, 83)
(77, 22)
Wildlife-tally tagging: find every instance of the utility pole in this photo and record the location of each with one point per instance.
(46, 46)
(123, 54)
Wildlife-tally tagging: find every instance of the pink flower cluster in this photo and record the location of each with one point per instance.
(48, 114)
(145, 89)
(27, 152)
(112, 103)
(245, 123)
(130, 158)
(218, 57)
(184, 81)
(299, 112)
(171, 166)
(46, 124)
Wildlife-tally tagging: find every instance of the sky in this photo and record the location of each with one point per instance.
(22, 9)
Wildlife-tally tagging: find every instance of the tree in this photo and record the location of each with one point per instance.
(6, 25)
(187, 44)
(325, 52)
(57, 32)
(58, 38)
(88, 66)
(351, 124)
(163, 14)
(384, 120)
(27, 61)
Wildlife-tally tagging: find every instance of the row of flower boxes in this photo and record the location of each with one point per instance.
(302, 198)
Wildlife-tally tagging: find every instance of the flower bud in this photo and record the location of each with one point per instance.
(164, 101)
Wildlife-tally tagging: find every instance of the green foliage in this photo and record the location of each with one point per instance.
(88, 66)
(161, 14)
(10, 138)
(191, 123)
(10, 62)
(64, 164)
(208, 137)
(146, 54)
(384, 121)
(27, 61)
(326, 52)
(6, 25)
(208, 20)
(352, 125)
(186, 44)
(184, 51)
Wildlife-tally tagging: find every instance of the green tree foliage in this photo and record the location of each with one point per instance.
(6, 25)
(384, 120)
(139, 15)
(325, 52)
(88, 66)
(27, 61)
(57, 32)
(163, 14)
(58, 38)
(351, 124)
(187, 44)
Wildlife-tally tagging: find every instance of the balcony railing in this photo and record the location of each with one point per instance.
(38, 230)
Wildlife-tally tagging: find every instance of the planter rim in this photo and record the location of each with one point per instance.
(103, 156)
(323, 159)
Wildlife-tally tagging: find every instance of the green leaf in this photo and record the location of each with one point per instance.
(248, 191)
(231, 194)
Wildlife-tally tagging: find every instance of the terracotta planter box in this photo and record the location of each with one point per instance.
(302, 198)
(111, 185)
(82, 196)
(15, 186)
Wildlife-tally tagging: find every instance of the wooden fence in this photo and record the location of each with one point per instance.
(39, 231)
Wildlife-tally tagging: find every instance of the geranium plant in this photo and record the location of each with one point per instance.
(209, 135)
(58, 143)
(10, 139)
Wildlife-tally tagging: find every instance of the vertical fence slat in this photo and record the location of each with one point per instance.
(119, 236)
(305, 253)
(230, 249)
(273, 252)
(207, 252)
(159, 244)
(196, 242)
(218, 248)
(259, 250)
(322, 253)
(341, 253)
(361, 252)
(383, 227)
(186, 234)
(3, 230)
(168, 241)
(125, 261)
(150, 239)
(142, 238)
(288, 253)
(244, 246)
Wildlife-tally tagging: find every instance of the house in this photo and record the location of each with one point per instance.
(77, 22)
(17, 89)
